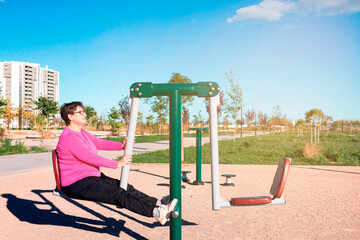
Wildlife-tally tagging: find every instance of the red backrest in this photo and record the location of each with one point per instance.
(55, 162)
(280, 177)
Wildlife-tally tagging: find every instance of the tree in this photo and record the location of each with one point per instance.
(3, 104)
(125, 109)
(90, 112)
(263, 120)
(27, 115)
(23, 112)
(160, 107)
(278, 119)
(235, 94)
(9, 114)
(314, 117)
(99, 122)
(178, 78)
(140, 123)
(185, 101)
(276, 116)
(300, 124)
(140, 117)
(239, 122)
(113, 120)
(226, 121)
(196, 120)
(250, 117)
(327, 122)
(90, 115)
(186, 116)
(37, 122)
(149, 122)
(47, 107)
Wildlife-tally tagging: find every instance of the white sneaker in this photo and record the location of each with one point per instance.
(165, 211)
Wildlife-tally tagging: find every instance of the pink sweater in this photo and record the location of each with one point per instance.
(78, 158)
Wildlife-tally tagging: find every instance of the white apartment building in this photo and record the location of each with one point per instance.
(23, 82)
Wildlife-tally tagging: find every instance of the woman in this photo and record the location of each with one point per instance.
(80, 173)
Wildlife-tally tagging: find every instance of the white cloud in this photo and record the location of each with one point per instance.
(273, 10)
(267, 10)
(330, 7)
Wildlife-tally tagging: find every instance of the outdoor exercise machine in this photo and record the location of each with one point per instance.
(174, 91)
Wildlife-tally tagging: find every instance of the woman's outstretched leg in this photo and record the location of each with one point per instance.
(132, 191)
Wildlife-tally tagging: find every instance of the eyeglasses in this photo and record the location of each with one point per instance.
(82, 112)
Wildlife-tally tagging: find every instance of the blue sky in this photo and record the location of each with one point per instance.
(296, 54)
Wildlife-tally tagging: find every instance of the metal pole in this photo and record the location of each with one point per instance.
(217, 201)
(135, 102)
(198, 156)
(175, 161)
(198, 159)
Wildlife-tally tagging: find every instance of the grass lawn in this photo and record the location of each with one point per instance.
(337, 149)
(163, 137)
(141, 139)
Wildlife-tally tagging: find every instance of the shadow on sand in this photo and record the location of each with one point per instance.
(28, 211)
(148, 173)
(322, 169)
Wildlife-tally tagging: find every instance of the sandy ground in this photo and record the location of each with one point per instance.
(322, 203)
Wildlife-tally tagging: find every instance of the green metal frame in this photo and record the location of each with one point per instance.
(175, 91)
(198, 155)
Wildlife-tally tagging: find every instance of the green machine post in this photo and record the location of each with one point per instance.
(175, 91)
(198, 155)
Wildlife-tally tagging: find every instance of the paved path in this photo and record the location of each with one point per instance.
(20, 163)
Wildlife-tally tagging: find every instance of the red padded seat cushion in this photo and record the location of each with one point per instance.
(277, 187)
(56, 169)
(282, 171)
(250, 200)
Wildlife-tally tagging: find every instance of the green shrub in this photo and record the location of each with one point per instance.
(37, 149)
(6, 142)
(8, 148)
(20, 148)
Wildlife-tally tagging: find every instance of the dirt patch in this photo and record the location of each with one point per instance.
(322, 203)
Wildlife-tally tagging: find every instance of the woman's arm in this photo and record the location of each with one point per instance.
(103, 144)
(82, 151)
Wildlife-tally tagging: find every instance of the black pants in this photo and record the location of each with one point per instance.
(105, 189)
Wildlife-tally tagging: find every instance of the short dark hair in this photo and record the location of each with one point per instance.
(69, 108)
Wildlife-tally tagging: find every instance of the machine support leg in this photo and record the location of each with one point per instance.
(198, 159)
(135, 102)
(175, 162)
(217, 201)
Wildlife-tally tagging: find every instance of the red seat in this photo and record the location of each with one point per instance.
(250, 200)
(276, 190)
(55, 162)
